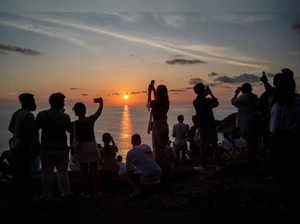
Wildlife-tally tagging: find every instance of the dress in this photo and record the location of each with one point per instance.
(87, 149)
(160, 133)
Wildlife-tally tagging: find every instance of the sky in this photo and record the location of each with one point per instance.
(86, 49)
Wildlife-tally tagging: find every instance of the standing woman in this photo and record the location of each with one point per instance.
(159, 108)
(87, 149)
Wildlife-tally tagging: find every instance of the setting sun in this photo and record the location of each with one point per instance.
(125, 96)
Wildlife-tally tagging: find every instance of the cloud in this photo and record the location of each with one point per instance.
(177, 90)
(244, 19)
(296, 26)
(48, 31)
(213, 74)
(251, 78)
(194, 81)
(135, 92)
(84, 94)
(75, 88)
(182, 61)
(115, 94)
(189, 88)
(25, 51)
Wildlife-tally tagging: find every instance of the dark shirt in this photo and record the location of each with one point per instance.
(23, 126)
(159, 112)
(203, 107)
(85, 130)
(54, 124)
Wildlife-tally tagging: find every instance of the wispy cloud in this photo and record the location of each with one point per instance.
(180, 49)
(181, 61)
(241, 19)
(25, 51)
(225, 54)
(115, 94)
(48, 31)
(84, 94)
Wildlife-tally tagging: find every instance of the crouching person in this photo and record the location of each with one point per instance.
(143, 171)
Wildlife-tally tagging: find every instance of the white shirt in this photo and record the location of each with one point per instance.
(180, 131)
(141, 158)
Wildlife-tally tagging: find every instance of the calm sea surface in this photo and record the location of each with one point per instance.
(121, 122)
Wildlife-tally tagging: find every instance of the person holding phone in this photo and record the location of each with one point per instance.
(205, 122)
(248, 119)
(87, 150)
(110, 168)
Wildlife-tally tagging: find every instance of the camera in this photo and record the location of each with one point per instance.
(98, 100)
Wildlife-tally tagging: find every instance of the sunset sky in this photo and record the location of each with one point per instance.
(109, 48)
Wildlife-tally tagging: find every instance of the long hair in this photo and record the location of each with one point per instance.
(162, 97)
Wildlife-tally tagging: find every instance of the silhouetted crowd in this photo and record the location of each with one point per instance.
(269, 123)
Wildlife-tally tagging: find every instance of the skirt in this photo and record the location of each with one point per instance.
(87, 152)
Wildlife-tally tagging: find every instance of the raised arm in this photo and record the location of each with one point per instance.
(235, 100)
(264, 80)
(214, 101)
(97, 114)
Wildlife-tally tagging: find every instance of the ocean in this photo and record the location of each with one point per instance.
(120, 122)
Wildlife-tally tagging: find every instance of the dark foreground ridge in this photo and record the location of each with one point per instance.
(189, 194)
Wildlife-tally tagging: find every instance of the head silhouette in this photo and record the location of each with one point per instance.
(194, 119)
(27, 101)
(180, 118)
(276, 79)
(246, 88)
(79, 109)
(136, 139)
(162, 94)
(106, 138)
(199, 89)
(119, 158)
(57, 101)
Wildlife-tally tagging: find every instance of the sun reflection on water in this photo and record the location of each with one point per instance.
(126, 132)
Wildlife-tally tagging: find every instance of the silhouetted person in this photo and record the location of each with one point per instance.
(54, 123)
(265, 103)
(25, 140)
(180, 131)
(87, 149)
(248, 120)
(285, 129)
(140, 158)
(6, 162)
(206, 121)
(195, 149)
(160, 128)
(110, 168)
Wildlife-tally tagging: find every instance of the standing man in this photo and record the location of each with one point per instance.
(205, 121)
(54, 124)
(23, 143)
(180, 131)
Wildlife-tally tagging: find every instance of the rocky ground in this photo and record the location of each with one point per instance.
(189, 194)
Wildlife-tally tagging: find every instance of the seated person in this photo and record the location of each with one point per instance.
(140, 158)
(122, 165)
(110, 167)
